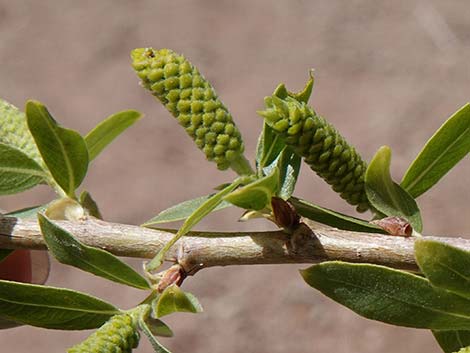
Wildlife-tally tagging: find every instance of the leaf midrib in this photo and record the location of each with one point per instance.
(436, 160)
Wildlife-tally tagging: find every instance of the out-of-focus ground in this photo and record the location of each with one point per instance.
(386, 73)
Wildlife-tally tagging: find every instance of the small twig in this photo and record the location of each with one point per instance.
(200, 250)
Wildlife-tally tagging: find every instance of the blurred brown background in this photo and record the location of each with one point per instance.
(386, 73)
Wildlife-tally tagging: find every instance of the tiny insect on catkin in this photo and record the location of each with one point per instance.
(319, 143)
(191, 99)
(118, 334)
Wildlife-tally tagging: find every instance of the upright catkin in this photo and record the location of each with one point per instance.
(118, 334)
(320, 145)
(191, 99)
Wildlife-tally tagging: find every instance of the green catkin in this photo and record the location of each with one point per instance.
(320, 144)
(191, 99)
(118, 335)
(14, 131)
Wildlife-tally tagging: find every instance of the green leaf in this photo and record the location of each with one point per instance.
(257, 194)
(28, 212)
(391, 296)
(452, 341)
(64, 151)
(18, 172)
(158, 327)
(207, 207)
(270, 145)
(90, 205)
(441, 153)
(173, 299)
(14, 131)
(289, 168)
(51, 307)
(183, 210)
(445, 266)
(67, 250)
(4, 253)
(387, 196)
(106, 131)
(331, 218)
(157, 346)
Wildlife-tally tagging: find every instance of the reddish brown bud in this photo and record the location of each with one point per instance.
(174, 275)
(395, 226)
(285, 215)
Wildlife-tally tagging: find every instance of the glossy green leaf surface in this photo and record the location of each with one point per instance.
(387, 196)
(391, 296)
(106, 131)
(183, 210)
(444, 266)
(173, 299)
(67, 250)
(51, 307)
(63, 150)
(452, 341)
(257, 194)
(202, 211)
(18, 172)
(331, 218)
(147, 331)
(441, 153)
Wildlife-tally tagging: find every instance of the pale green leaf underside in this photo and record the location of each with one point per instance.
(173, 299)
(51, 307)
(391, 296)
(157, 346)
(66, 249)
(441, 153)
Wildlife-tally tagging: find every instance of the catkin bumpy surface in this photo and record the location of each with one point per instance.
(320, 145)
(117, 335)
(191, 99)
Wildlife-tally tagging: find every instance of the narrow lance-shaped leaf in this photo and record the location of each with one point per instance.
(387, 196)
(173, 299)
(50, 307)
(66, 249)
(63, 150)
(157, 346)
(207, 207)
(441, 153)
(452, 341)
(183, 210)
(391, 296)
(107, 130)
(18, 172)
(332, 218)
(445, 266)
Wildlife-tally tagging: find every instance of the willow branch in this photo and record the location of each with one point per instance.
(206, 249)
